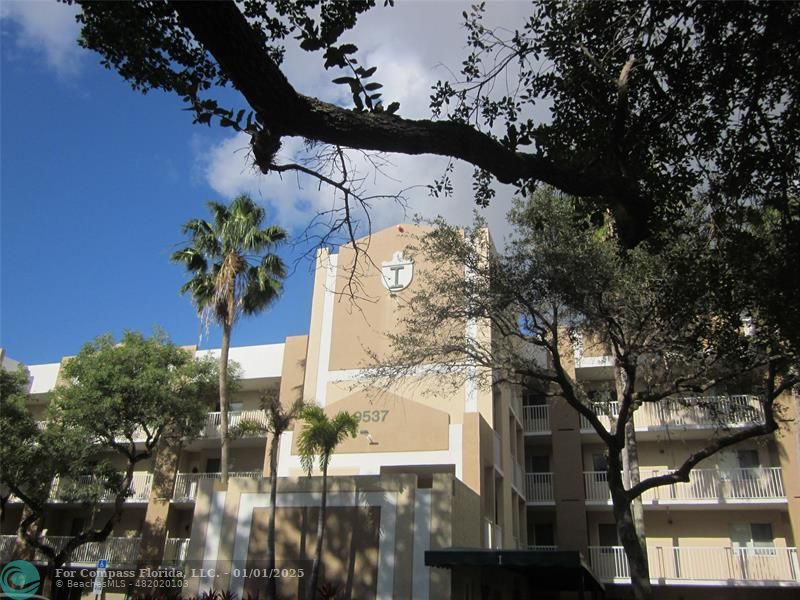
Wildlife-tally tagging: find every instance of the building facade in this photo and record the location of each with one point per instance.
(442, 462)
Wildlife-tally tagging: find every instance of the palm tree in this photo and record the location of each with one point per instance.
(319, 438)
(279, 419)
(234, 272)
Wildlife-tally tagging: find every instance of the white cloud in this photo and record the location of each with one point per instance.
(46, 27)
(413, 45)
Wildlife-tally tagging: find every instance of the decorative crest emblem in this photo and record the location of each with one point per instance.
(397, 273)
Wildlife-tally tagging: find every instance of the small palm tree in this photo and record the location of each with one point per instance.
(319, 438)
(234, 272)
(279, 419)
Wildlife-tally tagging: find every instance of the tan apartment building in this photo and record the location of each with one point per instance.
(443, 467)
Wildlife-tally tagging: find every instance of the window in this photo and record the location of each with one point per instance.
(531, 397)
(544, 534)
(600, 467)
(755, 538)
(537, 464)
(607, 534)
(599, 462)
(602, 396)
(762, 540)
(213, 465)
(748, 459)
(237, 407)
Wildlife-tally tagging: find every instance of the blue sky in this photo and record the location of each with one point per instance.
(96, 180)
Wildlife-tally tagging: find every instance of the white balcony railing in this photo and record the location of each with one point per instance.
(536, 418)
(214, 420)
(176, 551)
(117, 550)
(492, 535)
(686, 412)
(705, 486)
(539, 488)
(186, 484)
(212, 427)
(140, 488)
(723, 564)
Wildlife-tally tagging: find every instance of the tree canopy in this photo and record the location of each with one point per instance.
(669, 314)
(116, 404)
(647, 103)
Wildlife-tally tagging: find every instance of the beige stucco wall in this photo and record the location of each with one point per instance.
(697, 527)
(353, 539)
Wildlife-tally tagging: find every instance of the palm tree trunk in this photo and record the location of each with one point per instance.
(223, 400)
(312, 586)
(272, 591)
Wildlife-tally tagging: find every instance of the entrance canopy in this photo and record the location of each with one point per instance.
(544, 570)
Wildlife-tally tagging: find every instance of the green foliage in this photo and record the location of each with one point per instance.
(144, 388)
(114, 400)
(146, 43)
(320, 436)
(640, 106)
(678, 96)
(25, 459)
(231, 262)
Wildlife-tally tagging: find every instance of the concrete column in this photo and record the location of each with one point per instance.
(154, 529)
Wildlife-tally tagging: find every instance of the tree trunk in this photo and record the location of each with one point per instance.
(312, 586)
(631, 475)
(272, 591)
(628, 515)
(224, 401)
(48, 585)
(628, 537)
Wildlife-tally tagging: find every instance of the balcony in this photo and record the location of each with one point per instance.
(695, 412)
(186, 484)
(117, 550)
(212, 427)
(540, 548)
(723, 565)
(539, 488)
(139, 488)
(176, 551)
(492, 535)
(536, 418)
(758, 485)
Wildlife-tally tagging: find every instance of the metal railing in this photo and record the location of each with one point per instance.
(539, 488)
(492, 535)
(186, 484)
(702, 563)
(687, 411)
(705, 485)
(176, 551)
(140, 487)
(117, 550)
(540, 548)
(536, 418)
(214, 420)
